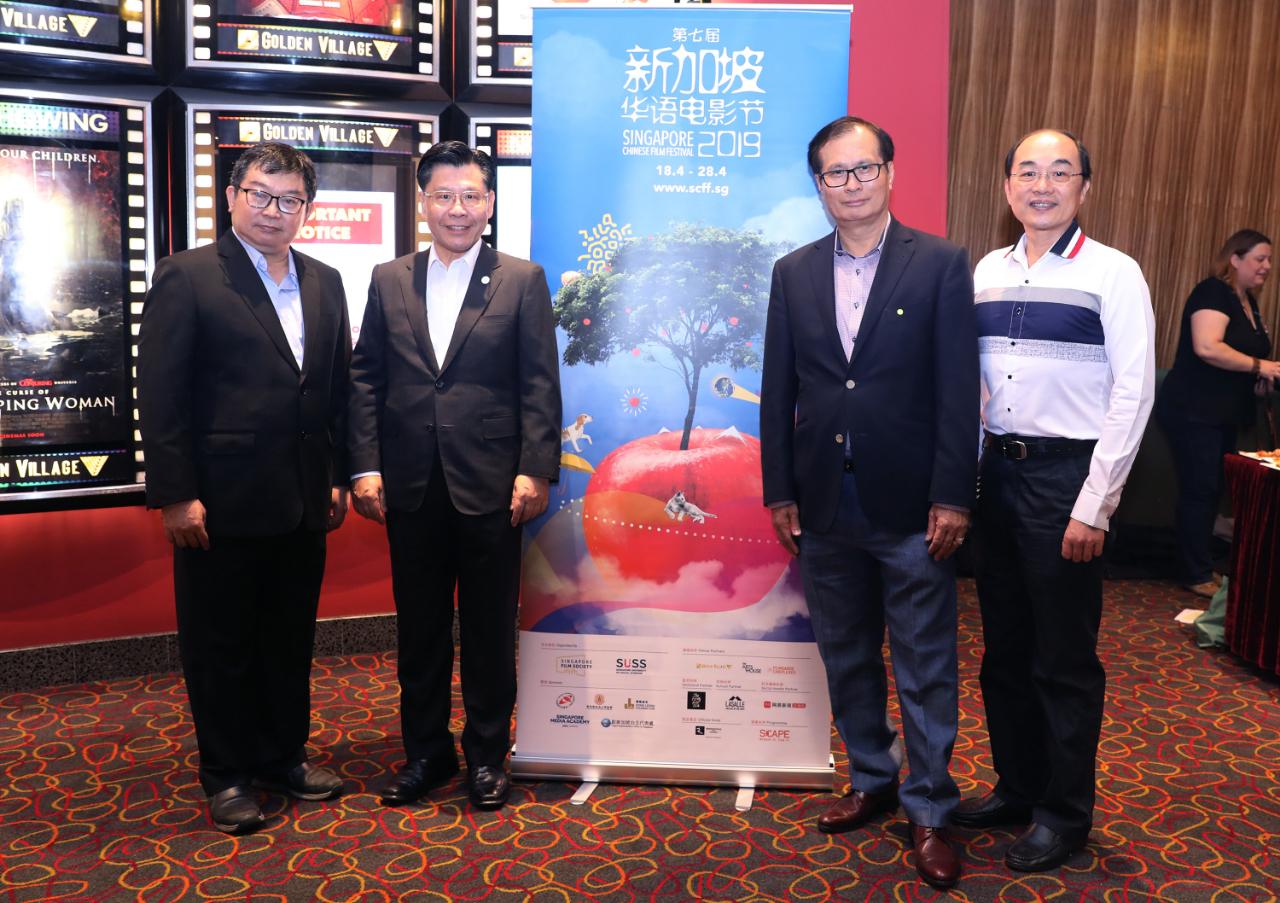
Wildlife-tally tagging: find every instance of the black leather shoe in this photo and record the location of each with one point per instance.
(989, 811)
(1040, 849)
(304, 782)
(488, 787)
(416, 779)
(856, 808)
(235, 811)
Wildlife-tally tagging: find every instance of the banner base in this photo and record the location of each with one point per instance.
(536, 768)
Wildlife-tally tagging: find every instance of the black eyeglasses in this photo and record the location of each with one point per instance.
(261, 200)
(863, 172)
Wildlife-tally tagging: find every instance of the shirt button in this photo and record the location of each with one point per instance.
(1026, 281)
(849, 384)
(1010, 376)
(439, 383)
(1013, 343)
(840, 438)
(1017, 310)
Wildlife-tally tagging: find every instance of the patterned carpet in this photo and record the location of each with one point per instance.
(98, 802)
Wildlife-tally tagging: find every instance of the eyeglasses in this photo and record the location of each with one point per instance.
(1031, 176)
(261, 200)
(446, 199)
(863, 172)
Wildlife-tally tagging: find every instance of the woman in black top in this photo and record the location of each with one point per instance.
(1221, 362)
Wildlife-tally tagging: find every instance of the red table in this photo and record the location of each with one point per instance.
(1253, 597)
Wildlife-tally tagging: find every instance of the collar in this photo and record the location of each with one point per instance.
(470, 257)
(259, 260)
(840, 251)
(1067, 246)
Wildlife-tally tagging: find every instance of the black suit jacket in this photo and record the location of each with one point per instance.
(909, 396)
(227, 417)
(489, 408)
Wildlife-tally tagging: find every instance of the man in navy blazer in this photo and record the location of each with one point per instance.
(869, 441)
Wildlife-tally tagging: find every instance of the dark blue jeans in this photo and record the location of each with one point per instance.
(1042, 683)
(858, 577)
(1197, 457)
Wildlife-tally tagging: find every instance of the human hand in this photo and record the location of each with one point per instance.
(184, 524)
(786, 523)
(337, 507)
(946, 531)
(529, 497)
(368, 498)
(1081, 542)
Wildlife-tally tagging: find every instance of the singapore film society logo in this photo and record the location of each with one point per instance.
(750, 668)
(630, 665)
(564, 700)
(573, 664)
(735, 704)
(697, 700)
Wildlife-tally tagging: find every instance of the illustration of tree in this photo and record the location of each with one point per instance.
(696, 295)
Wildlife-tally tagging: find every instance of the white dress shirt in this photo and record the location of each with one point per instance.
(446, 289)
(1067, 351)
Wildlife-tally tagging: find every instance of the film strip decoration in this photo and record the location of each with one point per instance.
(509, 141)
(233, 126)
(76, 232)
(118, 32)
(395, 39)
(502, 42)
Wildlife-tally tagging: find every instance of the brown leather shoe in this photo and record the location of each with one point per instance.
(856, 808)
(936, 862)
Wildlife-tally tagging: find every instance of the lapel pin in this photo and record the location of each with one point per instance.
(484, 280)
(899, 311)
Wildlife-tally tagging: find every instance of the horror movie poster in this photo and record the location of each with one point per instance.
(65, 405)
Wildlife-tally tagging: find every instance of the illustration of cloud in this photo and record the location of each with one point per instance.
(792, 221)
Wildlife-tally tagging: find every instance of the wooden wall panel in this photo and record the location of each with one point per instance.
(1178, 102)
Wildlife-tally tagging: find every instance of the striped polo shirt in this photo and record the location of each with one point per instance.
(1067, 351)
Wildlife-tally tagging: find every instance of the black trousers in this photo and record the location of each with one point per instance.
(433, 550)
(1042, 683)
(246, 628)
(1198, 449)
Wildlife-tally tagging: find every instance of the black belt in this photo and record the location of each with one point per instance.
(1020, 447)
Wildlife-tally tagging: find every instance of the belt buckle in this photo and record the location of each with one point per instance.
(1015, 449)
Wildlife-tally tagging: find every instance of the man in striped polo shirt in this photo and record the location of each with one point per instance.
(1066, 345)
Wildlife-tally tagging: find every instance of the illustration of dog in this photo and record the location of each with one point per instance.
(678, 508)
(576, 432)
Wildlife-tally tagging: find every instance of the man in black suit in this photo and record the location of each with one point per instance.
(242, 387)
(869, 438)
(455, 436)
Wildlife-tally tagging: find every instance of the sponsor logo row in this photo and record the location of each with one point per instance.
(630, 664)
(695, 700)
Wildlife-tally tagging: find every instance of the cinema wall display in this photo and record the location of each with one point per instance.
(507, 136)
(75, 253)
(328, 45)
(366, 158)
(495, 40)
(36, 35)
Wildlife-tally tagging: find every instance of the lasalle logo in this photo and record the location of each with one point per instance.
(735, 704)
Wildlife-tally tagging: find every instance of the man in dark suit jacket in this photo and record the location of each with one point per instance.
(869, 439)
(455, 436)
(242, 388)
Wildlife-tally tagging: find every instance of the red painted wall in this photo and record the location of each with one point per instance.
(87, 575)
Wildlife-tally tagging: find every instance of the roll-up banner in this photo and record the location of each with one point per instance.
(365, 211)
(664, 635)
(75, 252)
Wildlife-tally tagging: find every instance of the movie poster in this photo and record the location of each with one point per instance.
(381, 37)
(664, 633)
(117, 30)
(365, 210)
(67, 262)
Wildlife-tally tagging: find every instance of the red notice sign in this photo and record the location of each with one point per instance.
(343, 223)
